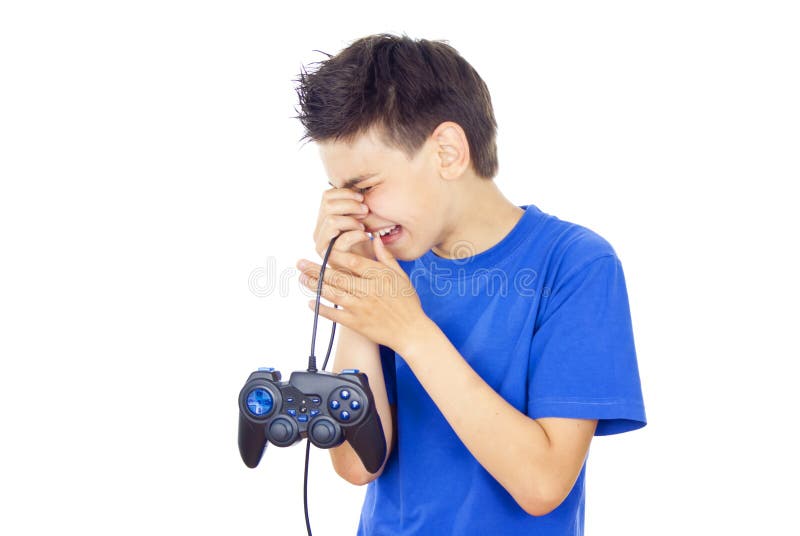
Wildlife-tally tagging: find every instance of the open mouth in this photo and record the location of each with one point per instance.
(388, 234)
(386, 230)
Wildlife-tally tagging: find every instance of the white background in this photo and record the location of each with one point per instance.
(150, 164)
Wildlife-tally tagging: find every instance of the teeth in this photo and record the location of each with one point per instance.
(383, 232)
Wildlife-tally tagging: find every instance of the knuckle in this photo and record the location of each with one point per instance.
(345, 242)
(339, 281)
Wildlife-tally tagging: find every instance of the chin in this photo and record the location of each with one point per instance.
(406, 255)
(407, 258)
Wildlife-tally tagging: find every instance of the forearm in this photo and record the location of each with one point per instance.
(512, 447)
(354, 351)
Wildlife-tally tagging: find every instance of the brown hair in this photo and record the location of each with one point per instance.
(405, 88)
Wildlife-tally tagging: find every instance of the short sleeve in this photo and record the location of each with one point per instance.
(389, 372)
(583, 360)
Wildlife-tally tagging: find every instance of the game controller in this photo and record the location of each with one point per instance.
(326, 408)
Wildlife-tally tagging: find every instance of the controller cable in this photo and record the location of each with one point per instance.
(312, 367)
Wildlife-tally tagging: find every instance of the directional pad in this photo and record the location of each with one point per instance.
(259, 402)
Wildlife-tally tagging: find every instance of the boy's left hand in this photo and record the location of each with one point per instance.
(376, 298)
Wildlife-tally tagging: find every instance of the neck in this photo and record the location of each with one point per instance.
(479, 217)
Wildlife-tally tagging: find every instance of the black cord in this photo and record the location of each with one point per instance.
(312, 367)
(312, 359)
(305, 488)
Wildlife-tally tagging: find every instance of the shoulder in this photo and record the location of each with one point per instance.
(577, 240)
(572, 247)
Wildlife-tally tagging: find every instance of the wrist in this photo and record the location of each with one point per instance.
(417, 338)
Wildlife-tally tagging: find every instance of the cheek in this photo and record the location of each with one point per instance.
(412, 211)
(383, 204)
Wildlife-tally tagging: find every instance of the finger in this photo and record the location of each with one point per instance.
(344, 202)
(341, 202)
(333, 226)
(334, 277)
(330, 293)
(385, 256)
(345, 261)
(342, 242)
(340, 316)
(336, 223)
(348, 239)
(363, 249)
(341, 193)
(344, 206)
(355, 264)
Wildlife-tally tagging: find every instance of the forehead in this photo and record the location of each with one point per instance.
(364, 155)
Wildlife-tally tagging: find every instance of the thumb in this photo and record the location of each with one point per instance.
(384, 255)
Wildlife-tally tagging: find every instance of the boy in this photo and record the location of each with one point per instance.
(497, 338)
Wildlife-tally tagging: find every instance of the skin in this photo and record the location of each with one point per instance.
(442, 205)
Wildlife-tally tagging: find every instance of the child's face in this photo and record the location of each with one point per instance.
(398, 191)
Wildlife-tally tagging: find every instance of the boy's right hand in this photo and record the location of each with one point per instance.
(341, 211)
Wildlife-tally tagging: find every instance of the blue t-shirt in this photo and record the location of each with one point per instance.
(543, 318)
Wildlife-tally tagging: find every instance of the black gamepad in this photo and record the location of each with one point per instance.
(325, 407)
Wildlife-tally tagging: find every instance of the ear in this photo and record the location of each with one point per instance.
(452, 149)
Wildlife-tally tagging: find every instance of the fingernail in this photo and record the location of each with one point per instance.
(364, 207)
(362, 226)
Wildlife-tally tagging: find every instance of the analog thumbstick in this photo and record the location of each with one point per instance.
(281, 432)
(325, 434)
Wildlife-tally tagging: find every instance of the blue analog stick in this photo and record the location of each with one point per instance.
(259, 402)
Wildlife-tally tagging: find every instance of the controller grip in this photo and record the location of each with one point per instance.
(252, 441)
(368, 442)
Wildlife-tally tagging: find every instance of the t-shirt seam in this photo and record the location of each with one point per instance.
(586, 401)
